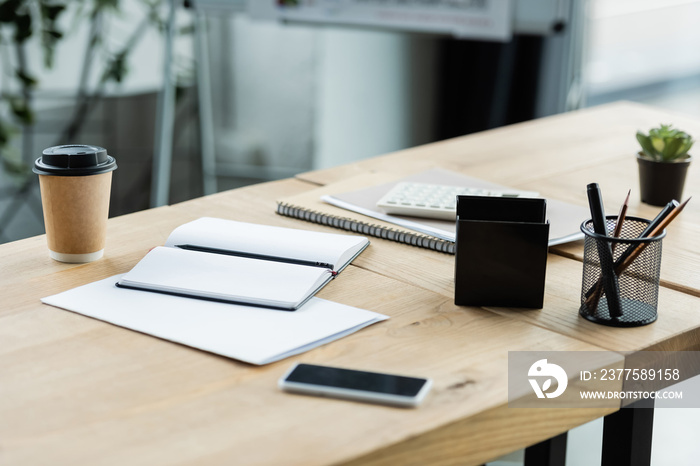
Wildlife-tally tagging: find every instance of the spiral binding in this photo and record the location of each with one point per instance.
(369, 229)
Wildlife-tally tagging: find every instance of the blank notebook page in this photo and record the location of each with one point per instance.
(314, 246)
(225, 277)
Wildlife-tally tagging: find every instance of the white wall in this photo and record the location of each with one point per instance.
(638, 42)
(263, 78)
(362, 96)
(311, 97)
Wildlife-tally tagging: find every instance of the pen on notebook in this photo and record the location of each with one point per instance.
(658, 229)
(653, 224)
(249, 255)
(616, 234)
(610, 285)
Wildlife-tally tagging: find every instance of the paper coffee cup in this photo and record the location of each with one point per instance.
(75, 183)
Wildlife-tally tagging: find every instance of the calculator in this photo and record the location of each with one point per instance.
(435, 200)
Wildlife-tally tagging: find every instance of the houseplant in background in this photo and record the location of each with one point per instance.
(25, 21)
(31, 34)
(663, 163)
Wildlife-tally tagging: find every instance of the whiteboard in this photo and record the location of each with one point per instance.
(540, 17)
(473, 19)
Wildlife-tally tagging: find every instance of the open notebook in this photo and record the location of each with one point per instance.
(244, 263)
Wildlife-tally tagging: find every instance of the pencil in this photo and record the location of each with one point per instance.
(621, 217)
(668, 208)
(659, 228)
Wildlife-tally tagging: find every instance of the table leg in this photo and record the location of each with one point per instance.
(627, 435)
(551, 452)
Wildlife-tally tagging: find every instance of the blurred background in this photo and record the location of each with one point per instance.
(202, 96)
(231, 95)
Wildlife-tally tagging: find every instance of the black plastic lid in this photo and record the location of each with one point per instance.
(74, 160)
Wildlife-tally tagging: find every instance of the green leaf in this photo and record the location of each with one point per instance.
(52, 12)
(5, 133)
(686, 146)
(26, 79)
(117, 69)
(8, 10)
(671, 148)
(22, 111)
(23, 27)
(665, 143)
(646, 144)
(50, 35)
(658, 143)
(107, 4)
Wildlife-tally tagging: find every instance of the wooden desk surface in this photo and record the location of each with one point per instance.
(75, 390)
(558, 156)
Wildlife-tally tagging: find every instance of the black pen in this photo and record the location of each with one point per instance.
(248, 255)
(610, 284)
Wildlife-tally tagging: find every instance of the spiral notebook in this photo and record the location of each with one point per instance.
(350, 205)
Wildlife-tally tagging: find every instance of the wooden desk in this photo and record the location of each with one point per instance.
(558, 157)
(74, 390)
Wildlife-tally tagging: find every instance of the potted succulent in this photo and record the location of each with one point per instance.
(663, 164)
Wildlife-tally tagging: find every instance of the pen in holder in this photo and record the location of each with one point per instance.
(637, 263)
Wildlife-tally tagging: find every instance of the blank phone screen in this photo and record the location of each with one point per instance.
(356, 380)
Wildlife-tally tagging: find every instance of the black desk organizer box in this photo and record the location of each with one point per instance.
(638, 284)
(500, 251)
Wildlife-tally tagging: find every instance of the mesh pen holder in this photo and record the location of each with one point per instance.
(638, 282)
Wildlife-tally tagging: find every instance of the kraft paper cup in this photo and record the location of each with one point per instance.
(75, 183)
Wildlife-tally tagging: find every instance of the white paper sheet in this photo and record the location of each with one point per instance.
(250, 334)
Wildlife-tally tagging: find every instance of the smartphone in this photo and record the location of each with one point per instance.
(373, 387)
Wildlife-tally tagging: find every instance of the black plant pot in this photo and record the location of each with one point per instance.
(661, 182)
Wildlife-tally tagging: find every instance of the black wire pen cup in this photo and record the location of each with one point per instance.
(637, 264)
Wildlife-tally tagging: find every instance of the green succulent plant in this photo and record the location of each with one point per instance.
(665, 144)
